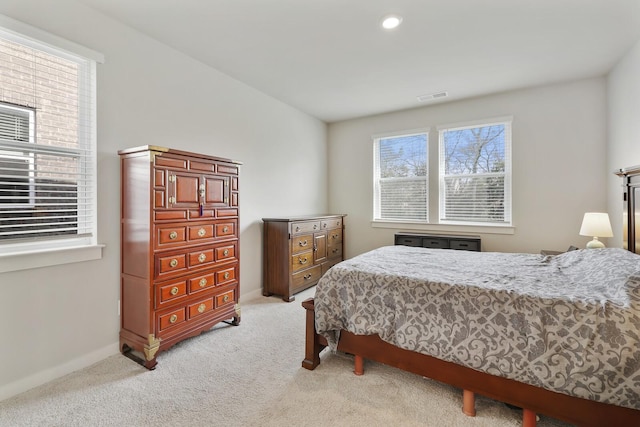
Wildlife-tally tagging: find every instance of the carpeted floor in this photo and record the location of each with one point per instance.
(249, 375)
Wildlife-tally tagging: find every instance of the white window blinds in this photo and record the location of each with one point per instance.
(401, 177)
(47, 143)
(475, 173)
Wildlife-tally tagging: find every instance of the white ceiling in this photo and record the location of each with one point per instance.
(330, 59)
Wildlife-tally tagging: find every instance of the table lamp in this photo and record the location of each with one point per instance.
(596, 224)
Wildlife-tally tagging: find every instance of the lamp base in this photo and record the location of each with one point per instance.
(595, 244)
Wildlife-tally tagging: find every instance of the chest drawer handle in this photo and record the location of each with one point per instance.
(173, 235)
(307, 276)
(175, 290)
(202, 232)
(225, 229)
(225, 252)
(173, 318)
(303, 260)
(303, 243)
(225, 298)
(226, 275)
(202, 257)
(202, 308)
(315, 226)
(203, 282)
(297, 228)
(173, 262)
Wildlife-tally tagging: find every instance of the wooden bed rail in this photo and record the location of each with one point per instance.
(536, 400)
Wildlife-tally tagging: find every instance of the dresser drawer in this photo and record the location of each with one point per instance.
(334, 251)
(331, 223)
(226, 228)
(200, 258)
(200, 283)
(226, 298)
(225, 252)
(305, 227)
(435, 243)
(199, 308)
(171, 292)
(409, 241)
(306, 277)
(171, 235)
(462, 244)
(200, 232)
(225, 276)
(171, 319)
(171, 264)
(301, 261)
(301, 243)
(334, 236)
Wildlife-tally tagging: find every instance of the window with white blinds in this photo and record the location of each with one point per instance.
(401, 181)
(475, 173)
(47, 145)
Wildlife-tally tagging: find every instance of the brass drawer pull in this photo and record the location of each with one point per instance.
(307, 276)
(175, 290)
(202, 308)
(303, 243)
(225, 252)
(315, 226)
(297, 228)
(324, 225)
(173, 318)
(173, 263)
(226, 275)
(203, 282)
(225, 229)
(202, 232)
(173, 235)
(334, 236)
(225, 298)
(302, 260)
(202, 257)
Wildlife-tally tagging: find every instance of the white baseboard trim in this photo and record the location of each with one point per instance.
(42, 377)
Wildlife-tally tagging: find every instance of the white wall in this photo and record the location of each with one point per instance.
(559, 168)
(54, 320)
(623, 92)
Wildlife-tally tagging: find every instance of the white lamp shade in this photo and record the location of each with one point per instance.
(596, 224)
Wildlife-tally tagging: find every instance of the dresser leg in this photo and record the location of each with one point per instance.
(236, 321)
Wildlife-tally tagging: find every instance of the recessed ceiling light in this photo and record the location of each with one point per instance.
(389, 22)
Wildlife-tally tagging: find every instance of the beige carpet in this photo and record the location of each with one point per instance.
(249, 375)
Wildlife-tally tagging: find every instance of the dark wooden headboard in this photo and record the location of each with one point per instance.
(631, 210)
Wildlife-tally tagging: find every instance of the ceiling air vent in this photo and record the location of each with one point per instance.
(431, 96)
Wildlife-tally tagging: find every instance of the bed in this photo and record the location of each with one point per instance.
(554, 335)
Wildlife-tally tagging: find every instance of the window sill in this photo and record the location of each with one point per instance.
(49, 257)
(445, 228)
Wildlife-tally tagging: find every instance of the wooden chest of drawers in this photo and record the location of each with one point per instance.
(180, 249)
(298, 251)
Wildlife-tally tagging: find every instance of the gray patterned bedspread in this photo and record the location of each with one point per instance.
(569, 323)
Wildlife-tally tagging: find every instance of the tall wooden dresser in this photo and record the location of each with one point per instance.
(180, 249)
(298, 251)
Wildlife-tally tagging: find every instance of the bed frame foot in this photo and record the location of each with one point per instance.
(528, 418)
(358, 365)
(468, 403)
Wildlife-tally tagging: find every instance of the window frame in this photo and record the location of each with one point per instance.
(507, 174)
(434, 224)
(377, 179)
(60, 250)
